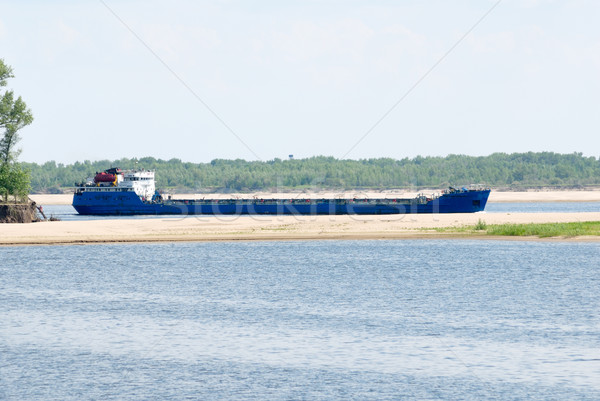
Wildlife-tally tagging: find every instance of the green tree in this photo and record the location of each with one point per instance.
(14, 115)
(14, 180)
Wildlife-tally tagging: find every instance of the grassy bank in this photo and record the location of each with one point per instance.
(542, 230)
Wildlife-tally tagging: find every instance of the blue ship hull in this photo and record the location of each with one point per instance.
(128, 203)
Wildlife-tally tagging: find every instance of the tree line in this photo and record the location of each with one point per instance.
(14, 115)
(516, 170)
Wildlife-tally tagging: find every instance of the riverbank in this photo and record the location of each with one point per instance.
(18, 213)
(259, 228)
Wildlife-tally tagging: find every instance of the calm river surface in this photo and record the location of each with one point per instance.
(321, 320)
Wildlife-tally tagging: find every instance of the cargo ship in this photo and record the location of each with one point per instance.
(133, 192)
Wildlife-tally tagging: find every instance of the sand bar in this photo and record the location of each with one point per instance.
(545, 196)
(495, 196)
(233, 228)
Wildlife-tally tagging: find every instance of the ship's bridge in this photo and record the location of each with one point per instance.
(140, 181)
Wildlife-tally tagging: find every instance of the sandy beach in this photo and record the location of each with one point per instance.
(247, 228)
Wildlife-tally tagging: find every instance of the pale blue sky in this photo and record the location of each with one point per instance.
(303, 77)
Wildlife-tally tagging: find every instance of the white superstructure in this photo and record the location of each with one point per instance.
(141, 181)
(115, 180)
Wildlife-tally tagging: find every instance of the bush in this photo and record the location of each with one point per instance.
(481, 225)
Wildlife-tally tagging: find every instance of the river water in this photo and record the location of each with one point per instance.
(320, 320)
